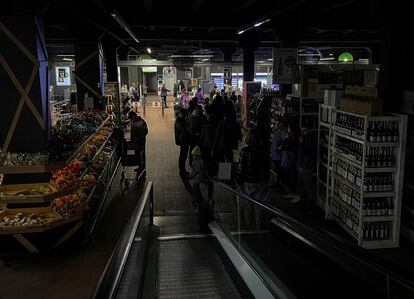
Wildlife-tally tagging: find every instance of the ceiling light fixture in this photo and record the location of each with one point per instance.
(124, 25)
(66, 55)
(257, 24)
(204, 59)
(149, 50)
(191, 56)
(270, 59)
(67, 59)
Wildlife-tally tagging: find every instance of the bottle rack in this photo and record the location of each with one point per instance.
(364, 174)
(324, 164)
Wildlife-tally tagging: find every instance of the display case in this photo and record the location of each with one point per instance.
(365, 173)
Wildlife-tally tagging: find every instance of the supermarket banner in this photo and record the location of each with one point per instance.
(284, 62)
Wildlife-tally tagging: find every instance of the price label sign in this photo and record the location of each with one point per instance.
(227, 73)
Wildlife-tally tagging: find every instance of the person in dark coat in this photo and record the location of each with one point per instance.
(197, 120)
(253, 175)
(139, 131)
(228, 134)
(307, 166)
(183, 140)
(290, 148)
(217, 107)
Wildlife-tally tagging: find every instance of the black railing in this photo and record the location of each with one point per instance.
(341, 251)
(111, 277)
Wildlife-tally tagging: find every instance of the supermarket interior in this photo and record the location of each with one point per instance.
(206, 149)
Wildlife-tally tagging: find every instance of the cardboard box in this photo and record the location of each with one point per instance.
(373, 108)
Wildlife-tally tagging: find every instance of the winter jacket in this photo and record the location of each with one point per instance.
(199, 95)
(228, 134)
(207, 135)
(196, 124)
(139, 129)
(277, 142)
(253, 166)
(198, 171)
(182, 132)
(290, 149)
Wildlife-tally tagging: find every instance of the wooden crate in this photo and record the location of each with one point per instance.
(46, 212)
(8, 193)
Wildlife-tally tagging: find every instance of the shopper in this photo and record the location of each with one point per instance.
(200, 96)
(139, 131)
(276, 151)
(217, 107)
(290, 149)
(253, 175)
(181, 86)
(133, 92)
(164, 92)
(182, 139)
(307, 167)
(175, 91)
(212, 88)
(228, 134)
(198, 175)
(185, 99)
(197, 120)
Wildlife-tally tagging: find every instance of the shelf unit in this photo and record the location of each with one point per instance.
(324, 165)
(390, 223)
(303, 101)
(407, 225)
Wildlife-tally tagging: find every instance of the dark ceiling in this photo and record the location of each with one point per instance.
(169, 25)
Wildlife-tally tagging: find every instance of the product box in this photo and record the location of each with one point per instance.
(373, 108)
(296, 90)
(332, 97)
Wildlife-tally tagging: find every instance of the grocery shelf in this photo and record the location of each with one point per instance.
(344, 159)
(380, 169)
(383, 144)
(73, 155)
(324, 124)
(59, 102)
(346, 228)
(343, 135)
(377, 244)
(378, 194)
(378, 218)
(345, 205)
(31, 168)
(348, 183)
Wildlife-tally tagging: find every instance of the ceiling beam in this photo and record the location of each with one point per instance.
(68, 6)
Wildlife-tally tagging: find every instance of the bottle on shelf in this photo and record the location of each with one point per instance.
(381, 182)
(376, 230)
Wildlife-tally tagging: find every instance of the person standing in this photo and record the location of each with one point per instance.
(197, 120)
(175, 92)
(183, 140)
(307, 167)
(164, 92)
(276, 150)
(139, 131)
(253, 175)
(134, 92)
(289, 159)
(199, 95)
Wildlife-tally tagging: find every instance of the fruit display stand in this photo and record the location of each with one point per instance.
(95, 161)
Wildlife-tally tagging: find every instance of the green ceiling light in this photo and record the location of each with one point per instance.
(144, 57)
(346, 57)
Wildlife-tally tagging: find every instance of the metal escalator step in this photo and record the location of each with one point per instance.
(191, 268)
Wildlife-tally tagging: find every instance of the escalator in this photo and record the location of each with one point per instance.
(253, 251)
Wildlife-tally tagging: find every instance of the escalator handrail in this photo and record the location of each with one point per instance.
(111, 275)
(309, 233)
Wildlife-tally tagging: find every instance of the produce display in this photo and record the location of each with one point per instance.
(67, 177)
(69, 134)
(22, 219)
(20, 159)
(41, 189)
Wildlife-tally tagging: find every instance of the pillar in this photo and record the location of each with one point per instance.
(25, 117)
(248, 63)
(110, 52)
(89, 73)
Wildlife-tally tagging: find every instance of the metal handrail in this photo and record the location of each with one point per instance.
(307, 234)
(112, 273)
